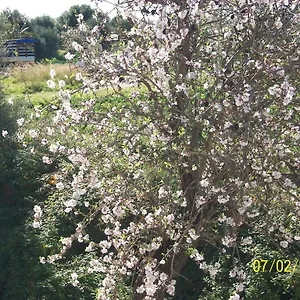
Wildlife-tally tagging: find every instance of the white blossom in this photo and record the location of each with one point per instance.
(74, 279)
(42, 260)
(52, 73)
(69, 56)
(78, 76)
(60, 186)
(162, 193)
(284, 244)
(4, 133)
(247, 241)
(171, 288)
(33, 133)
(51, 84)
(53, 148)
(61, 84)
(204, 183)
(235, 297)
(276, 175)
(36, 224)
(47, 160)
(20, 121)
(182, 14)
(278, 23)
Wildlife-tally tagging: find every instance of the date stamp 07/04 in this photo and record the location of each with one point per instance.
(274, 265)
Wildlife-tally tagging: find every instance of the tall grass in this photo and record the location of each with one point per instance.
(30, 82)
(35, 76)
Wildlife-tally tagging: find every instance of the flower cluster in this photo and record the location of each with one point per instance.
(37, 216)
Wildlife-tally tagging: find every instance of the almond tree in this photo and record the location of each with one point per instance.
(204, 145)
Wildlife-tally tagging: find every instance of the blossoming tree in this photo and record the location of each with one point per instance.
(202, 149)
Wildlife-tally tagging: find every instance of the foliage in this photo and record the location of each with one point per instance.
(69, 18)
(47, 36)
(21, 274)
(119, 23)
(32, 78)
(5, 28)
(15, 24)
(18, 181)
(200, 166)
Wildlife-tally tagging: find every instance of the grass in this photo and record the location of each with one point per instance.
(39, 73)
(30, 82)
(32, 78)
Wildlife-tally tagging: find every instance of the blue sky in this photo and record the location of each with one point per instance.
(54, 8)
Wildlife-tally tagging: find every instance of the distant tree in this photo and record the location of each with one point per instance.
(15, 23)
(45, 31)
(44, 21)
(5, 27)
(69, 17)
(119, 23)
(96, 21)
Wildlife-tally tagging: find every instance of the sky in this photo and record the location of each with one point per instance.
(53, 8)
